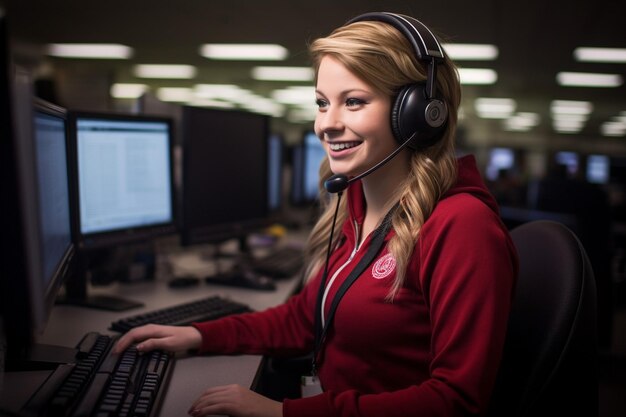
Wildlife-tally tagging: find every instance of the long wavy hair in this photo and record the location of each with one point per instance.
(382, 57)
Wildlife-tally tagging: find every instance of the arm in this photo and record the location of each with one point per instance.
(283, 330)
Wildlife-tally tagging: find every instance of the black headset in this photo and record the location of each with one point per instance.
(416, 111)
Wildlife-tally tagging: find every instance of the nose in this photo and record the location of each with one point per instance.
(329, 120)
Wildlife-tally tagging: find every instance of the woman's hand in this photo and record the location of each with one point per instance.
(235, 401)
(155, 336)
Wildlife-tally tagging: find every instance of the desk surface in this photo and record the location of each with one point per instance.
(191, 374)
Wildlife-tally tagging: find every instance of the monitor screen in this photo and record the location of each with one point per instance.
(569, 160)
(275, 156)
(598, 169)
(307, 157)
(124, 177)
(225, 174)
(499, 159)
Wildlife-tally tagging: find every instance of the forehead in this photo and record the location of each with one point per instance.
(332, 73)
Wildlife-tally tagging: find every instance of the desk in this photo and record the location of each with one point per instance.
(191, 374)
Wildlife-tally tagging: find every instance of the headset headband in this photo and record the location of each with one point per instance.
(424, 42)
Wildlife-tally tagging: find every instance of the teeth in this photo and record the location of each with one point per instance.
(342, 146)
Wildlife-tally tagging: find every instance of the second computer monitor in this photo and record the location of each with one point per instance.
(225, 174)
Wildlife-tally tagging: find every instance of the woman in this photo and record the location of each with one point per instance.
(420, 332)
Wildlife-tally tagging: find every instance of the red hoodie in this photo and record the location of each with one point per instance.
(433, 351)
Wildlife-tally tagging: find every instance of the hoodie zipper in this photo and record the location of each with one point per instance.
(357, 231)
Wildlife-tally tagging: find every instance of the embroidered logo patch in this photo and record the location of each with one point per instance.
(384, 266)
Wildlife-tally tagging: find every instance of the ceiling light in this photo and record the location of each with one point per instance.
(613, 129)
(255, 52)
(265, 106)
(494, 108)
(522, 121)
(122, 90)
(176, 94)
(477, 76)
(570, 107)
(164, 71)
(565, 124)
(295, 95)
(282, 73)
(90, 50)
(614, 55)
(584, 79)
(229, 92)
(200, 102)
(471, 51)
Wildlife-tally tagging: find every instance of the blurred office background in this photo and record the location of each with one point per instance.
(543, 110)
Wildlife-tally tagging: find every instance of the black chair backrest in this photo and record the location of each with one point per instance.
(549, 366)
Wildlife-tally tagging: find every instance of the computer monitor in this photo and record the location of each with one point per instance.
(124, 178)
(275, 161)
(569, 160)
(499, 159)
(225, 174)
(38, 253)
(306, 159)
(123, 192)
(598, 169)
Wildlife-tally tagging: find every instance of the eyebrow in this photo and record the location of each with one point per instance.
(349, 91)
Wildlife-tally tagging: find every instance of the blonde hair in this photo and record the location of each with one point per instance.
(381, 56)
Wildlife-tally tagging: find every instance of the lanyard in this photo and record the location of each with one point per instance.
(377, 241)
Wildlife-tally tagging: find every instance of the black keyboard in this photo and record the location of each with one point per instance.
(101, 384)
(283, 262)
(210, 308)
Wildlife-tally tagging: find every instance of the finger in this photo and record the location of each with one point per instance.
(135, 335)
(209, 396)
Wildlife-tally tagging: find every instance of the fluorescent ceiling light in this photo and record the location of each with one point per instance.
(90, 50)
(522, 121)
(121, 90)
(200, 102)
(584, 79)
(614, 55)
(567, 128)
(176, 94)
(295, 95)
(477, 76)
(571, 107)
(568, 124)
(229, 92)
(565, 117)
(254, 52)
(164, 71)
(282, 73)
(471, 51)
(613, 129)
(494, 108)
(265, 106)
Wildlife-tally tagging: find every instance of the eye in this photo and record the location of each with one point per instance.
(354, 102)
(321, 103)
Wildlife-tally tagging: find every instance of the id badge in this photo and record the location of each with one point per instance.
(310, 386)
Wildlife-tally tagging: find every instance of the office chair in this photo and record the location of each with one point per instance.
(549, 365)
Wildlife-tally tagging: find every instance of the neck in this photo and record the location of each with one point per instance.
(381, 188)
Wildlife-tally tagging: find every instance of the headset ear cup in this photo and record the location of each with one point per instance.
(413, 114)
(396, 115)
